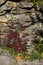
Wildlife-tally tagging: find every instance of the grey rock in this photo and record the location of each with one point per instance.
(26, 62)
(28, 18)
(39, 15)
(8, 5)
(37, 7)
(34, 17)
(36, 62)
(19, 11)
(6, 59)
(25, 5)
(2, 13)
(13, 11)
(23, 18)
(2, 1)
(2, 9)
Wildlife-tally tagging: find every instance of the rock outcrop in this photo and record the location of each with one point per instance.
(23, 11)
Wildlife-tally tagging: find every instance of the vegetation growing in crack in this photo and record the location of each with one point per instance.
(38, 53)
(38, 2)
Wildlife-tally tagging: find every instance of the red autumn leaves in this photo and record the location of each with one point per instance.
(16, 42)
(12, 34)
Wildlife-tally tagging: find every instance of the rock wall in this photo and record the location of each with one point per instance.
(23, 11)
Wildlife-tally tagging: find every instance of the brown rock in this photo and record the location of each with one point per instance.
(3, 19)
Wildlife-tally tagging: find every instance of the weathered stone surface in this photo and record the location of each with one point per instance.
(19, 11)
(5, 58)
(25, 5)
(3, 19)
(26, 13)
(2, 13)
(26, 62)
(21, 18)
(39, 15)
(36, 62)
(2, 1)
(7, 7)
(34, 17)
(37, 7)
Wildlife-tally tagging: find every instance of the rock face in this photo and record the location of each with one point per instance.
(25, 12)
(6, 59)
(25, 5)
(2, 2)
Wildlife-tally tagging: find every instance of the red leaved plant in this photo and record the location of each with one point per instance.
(15, 40)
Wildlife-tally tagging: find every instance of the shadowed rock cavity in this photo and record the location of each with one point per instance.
(20, 0)
(15, 0)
